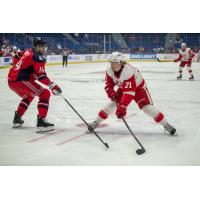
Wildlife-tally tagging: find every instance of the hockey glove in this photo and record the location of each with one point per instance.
(110, 93)
(121, 111)
(55, 89)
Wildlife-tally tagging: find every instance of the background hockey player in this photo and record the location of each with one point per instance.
(21, 79)
(185, 56)
(131, 86)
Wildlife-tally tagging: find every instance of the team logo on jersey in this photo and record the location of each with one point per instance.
(41, 70)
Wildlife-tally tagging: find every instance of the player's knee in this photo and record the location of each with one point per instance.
(144, 103)
(45, 94)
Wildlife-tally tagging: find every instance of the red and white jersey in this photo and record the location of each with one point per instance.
(186, 55)
(129, 79)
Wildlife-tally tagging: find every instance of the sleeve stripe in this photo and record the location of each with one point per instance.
(42, 77)
(131, 93)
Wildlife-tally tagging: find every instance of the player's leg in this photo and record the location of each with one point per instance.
(181, 66)
(63, 61)
(106, 110)
(22, 108)
(189, 68)
(103, 115)
(66, 60)
(144, 101)
(27, 96)
(43, 106)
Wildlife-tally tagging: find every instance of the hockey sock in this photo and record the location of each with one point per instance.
(24, 104)
(43, 103)
(153, 112)
(189, 70)
(105, 112)
(101, 116)
(180, 70)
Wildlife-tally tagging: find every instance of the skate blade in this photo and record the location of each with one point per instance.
(44, 129)
(88, 132)
(17, 126)
(168, 133)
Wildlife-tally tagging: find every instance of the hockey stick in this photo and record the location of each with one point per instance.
(138, 151)
(89, 127)
(163, 61)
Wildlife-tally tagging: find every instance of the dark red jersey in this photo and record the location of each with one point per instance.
(31, 65)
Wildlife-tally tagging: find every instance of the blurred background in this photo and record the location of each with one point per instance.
(96, 43)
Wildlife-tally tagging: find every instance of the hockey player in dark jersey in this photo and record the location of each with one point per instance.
(21, 79)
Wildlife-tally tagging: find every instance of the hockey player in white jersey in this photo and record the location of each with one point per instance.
(131, 86)
(185, 56)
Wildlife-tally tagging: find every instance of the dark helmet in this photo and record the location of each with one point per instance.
(38, 41)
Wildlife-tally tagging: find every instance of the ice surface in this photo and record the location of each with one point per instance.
(83, 86)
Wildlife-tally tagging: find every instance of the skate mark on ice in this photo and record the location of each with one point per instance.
(112, 133)
(71, 139)
(47, 135)
(102, 125)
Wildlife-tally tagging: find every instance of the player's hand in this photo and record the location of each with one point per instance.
(175, 60)
(55, 89)
(110, 93)
(121, 111)
(118, 95)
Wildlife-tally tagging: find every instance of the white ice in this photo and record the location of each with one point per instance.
(83, 86)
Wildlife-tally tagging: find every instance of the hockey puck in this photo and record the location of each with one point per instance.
(140, 151)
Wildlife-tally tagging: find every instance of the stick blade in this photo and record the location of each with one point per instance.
(140, 151)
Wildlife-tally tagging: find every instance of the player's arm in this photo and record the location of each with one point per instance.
(129, 89)
(109, 88)
(39, 68)
(179, 58)
(192, 54)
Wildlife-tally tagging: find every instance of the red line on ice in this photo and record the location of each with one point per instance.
(71, 139)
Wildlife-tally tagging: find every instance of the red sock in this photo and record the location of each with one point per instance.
(103, 115)
(24, 104)
(159, 117)
(43, 103)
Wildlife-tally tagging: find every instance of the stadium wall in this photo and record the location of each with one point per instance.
(94, 58)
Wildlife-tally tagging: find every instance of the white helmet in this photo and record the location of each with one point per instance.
(116, 57)
(14, 48)
(183, 44)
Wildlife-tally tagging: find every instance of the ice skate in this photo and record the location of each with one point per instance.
(43, 125)
(179, 77)
(170, 129)
(17, 121)
(93, 125)
(191, 78)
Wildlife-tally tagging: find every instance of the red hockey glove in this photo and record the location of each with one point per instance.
(121, 111)
(110, 93)
(55, 89)
(118, 95)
